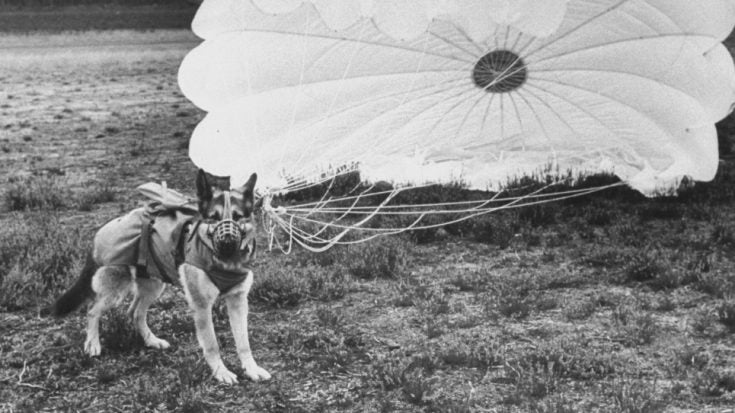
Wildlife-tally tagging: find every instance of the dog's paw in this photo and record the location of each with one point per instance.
(159, 343)
(225, 376)
(92, 348)
(257, 373)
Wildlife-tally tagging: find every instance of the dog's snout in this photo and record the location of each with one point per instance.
(226, 238)
(227, 247)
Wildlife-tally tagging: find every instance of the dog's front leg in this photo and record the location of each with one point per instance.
(201, 294)
(237, 309)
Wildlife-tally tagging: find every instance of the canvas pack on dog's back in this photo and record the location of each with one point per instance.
(160, 236)
(148, 238)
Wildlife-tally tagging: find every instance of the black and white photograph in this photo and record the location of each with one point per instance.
(496, 206)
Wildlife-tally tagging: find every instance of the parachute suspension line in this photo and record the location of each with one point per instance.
(479, 212)
(273, 213)
(424, 213)
(345, 214)
(287, 218)
(495, 198)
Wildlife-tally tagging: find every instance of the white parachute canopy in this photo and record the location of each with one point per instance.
(477, 91)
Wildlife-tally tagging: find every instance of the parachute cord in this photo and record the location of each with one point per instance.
(345, 214)
(481, 203)
(290, 229)
(328, 243)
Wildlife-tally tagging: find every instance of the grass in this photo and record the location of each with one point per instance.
(610, 303)
(37, 255)
(36, 192)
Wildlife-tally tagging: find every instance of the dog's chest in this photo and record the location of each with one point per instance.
(225, 274)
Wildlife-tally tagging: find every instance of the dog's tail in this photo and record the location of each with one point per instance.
(77, 294)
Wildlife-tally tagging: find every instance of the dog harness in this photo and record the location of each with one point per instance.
(150, 238)
(159, 237)
(199, 251)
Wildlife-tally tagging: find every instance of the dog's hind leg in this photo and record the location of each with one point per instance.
(201, 294)
(110, 285)
(147, 290)
(237, 309)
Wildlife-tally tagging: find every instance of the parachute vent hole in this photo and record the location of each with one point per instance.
(500, 71)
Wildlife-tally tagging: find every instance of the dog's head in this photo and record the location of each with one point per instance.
(230, 211)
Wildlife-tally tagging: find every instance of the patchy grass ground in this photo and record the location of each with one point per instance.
(611, 303)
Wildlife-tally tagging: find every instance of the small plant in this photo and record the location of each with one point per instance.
(414, 378)
(36, 192)
(99, 193)
(538, 215)
(37, 258)
(641, 330)
(719, 284)
(418, 388)
(580, 310)
(714, 383)
(498, 230)
(665, 304)
(118, 331)
(726, 314)
(534, 381)
(327, 284)
(112, 130)
(385, 257)
(280, 286)
(517, 307)
(645, 266)
(434, 326)
(290, 286)
(690, 356)
(637, 398)
(554, 404)
(475, 356)
(388, 372)
(474, 281)
(138, 149)
(329, 318)
(598, 215)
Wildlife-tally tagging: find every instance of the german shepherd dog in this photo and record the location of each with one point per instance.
(108, 285)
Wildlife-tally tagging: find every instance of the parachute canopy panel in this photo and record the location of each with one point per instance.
(473, 90)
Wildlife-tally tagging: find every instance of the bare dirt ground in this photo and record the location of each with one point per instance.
(609, 304)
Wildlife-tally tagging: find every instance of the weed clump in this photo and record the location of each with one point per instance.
(414, 378)
(475, 281)
(37, 257)
(36, 192)
(290, 286)
(496, 230)
(99, 193)
(726, 314)
(386, 257)
(637, 398)
(714, 383)
(476, 356)
(118, 332)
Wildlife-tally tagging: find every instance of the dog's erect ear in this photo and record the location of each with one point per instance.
(248, 194)
(204, 192)
(204, 188)
(250, 184)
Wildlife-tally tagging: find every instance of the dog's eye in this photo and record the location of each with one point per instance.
(236, 216)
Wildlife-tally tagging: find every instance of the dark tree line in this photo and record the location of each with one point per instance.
(22, 4)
